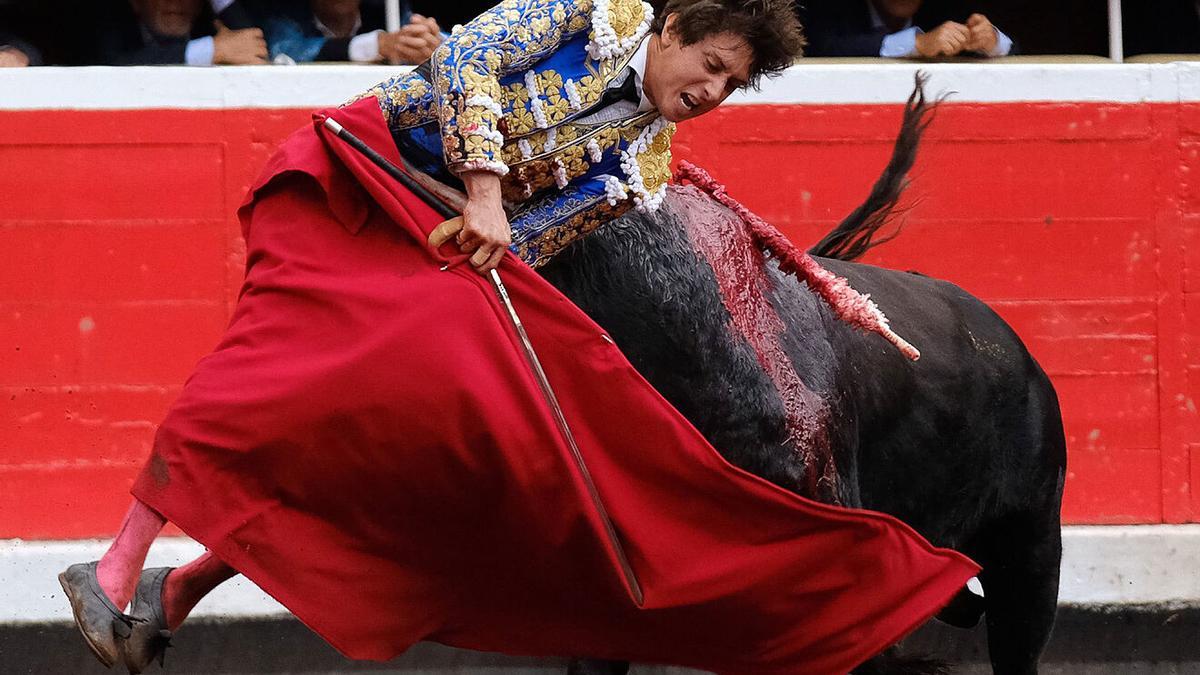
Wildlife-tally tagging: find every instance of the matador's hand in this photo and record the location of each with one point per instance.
(483, 229)
(445, 232)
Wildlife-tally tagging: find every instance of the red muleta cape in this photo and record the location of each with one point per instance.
(368, 445)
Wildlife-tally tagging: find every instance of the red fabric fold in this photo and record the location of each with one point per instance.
(368, 445)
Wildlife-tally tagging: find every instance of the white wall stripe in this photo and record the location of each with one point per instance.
(149, 87)
(1134, 565)
(979, 83)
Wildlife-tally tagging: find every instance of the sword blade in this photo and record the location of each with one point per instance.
(535, 365)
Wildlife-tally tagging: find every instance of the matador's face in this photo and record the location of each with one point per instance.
(684, 81)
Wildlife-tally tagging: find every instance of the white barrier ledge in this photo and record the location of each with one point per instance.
(157, 87)
(1131, 565)
(30, 591)
(1153, 565)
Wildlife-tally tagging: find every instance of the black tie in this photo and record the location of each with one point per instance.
(626, 91)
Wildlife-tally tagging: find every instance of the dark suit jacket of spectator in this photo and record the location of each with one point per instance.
(124, 41)
(843, 27)
(1161, 27)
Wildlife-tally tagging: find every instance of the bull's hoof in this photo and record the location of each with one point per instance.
(963, 611)
(597, 667)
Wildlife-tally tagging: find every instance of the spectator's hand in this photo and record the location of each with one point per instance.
(948, 39)
(13, 58)
(413, 43)
(428, 30)
(430, 23)
(239, 47)
(983, 35)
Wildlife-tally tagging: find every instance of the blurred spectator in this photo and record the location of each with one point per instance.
(900, 29)
(462, 11)
(190, 32)
(16, 53)
(340, 30)
(62, 31)
(1161, 27)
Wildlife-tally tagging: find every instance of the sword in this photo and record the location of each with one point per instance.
(531, 357)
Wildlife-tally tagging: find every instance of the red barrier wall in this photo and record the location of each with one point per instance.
(1078, 222)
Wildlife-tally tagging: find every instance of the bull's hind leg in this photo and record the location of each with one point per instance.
(1020, 584)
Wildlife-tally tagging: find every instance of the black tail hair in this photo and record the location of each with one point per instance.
(855, 235)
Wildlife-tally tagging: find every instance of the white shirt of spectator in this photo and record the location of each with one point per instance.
(363, 48)
(903, 43)
(199, 52)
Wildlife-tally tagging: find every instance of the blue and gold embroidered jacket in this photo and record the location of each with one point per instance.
(509, 93)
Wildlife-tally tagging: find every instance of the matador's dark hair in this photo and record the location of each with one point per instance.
(770, 27)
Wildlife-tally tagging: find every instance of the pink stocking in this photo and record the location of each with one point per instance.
(186, 585)
(121, 565)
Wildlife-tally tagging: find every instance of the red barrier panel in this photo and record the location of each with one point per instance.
(1078, 222)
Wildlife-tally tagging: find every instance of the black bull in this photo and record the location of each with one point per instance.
(966, 444)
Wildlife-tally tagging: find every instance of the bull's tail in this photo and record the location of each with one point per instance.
(855, 235)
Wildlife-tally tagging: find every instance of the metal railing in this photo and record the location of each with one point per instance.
(1116, 32)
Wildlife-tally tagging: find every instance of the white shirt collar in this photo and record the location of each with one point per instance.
(638, 63)
(877, 21)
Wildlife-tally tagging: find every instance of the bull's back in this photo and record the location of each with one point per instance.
(946, 440)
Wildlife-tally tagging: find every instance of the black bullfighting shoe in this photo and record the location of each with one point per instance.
(149, 637)
(98, 619)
